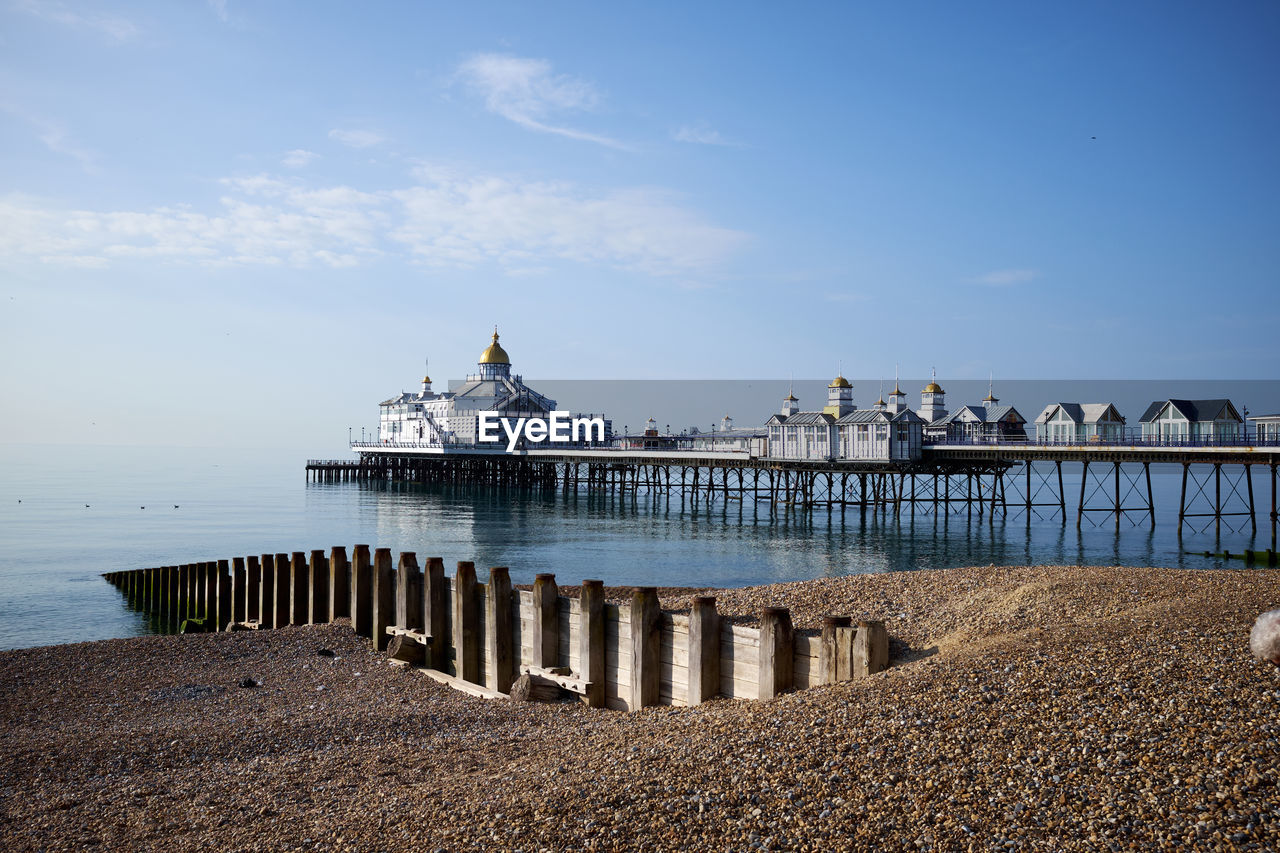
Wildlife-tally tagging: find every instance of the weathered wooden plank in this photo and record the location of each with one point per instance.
(546, 627)
(645, 643)
(870, 649)
(435, 613)
(382, 597)
(829, 650)
(463, 686)
(591, 641)
(222, 596)
(704, 650)
(283, 590)
(409, 593)
(339, 583)
(498, 641)
(361, 606)
(318, 610)
(466, 640)
(239, 589)
(299, 588)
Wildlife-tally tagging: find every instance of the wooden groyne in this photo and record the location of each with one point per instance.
(486, 638)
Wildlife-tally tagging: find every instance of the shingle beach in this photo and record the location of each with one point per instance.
(1027, 708)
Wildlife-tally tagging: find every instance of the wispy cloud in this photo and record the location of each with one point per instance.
(55, 137)
(700, 134)
(526, 92)
(440, 219)
(1007, 278)
(112, 26)
(356, 138)
(299, 158)
(219, 8)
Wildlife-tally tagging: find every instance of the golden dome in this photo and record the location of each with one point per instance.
(933, 388)
(839, 382)
(426, 380)
(494, 354)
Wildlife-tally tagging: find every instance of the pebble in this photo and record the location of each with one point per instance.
(1060, 708)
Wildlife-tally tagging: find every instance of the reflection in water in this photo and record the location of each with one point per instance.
(642, 539)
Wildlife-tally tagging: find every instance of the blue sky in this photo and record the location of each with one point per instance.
(257, 209)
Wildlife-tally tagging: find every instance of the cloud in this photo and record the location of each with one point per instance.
(219, 8)
(440, 219)
(525, 91)
(1006, 278)
(356, 138)
(299, 158)
(117, 28)
(701, 134)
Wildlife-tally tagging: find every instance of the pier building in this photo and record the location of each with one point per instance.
(1266, 428)
(1078, 423)
(841, 431)
(1192, 421)
(433, 418)
(985, 421)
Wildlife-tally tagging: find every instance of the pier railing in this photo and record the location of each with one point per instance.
(483, 637)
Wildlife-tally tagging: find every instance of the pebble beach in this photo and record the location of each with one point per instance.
(1026, 708)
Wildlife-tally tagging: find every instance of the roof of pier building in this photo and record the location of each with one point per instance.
(801, 419)
(867, 416)
(1194, 410)
(1080, 413)
(494, 353)
(982, 414)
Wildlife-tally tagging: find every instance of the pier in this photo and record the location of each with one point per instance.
(1220, 483)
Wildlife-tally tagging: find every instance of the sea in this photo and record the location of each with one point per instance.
(68, 514)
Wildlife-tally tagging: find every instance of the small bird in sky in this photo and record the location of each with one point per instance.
(175, 506)
(142, 507)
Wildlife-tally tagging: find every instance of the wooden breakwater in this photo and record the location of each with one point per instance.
(483, 638)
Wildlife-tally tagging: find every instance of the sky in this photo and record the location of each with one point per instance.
(242, 223)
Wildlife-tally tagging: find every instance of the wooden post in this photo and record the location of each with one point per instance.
(299, 593)
(591, 641)
(777, 652)
(646, 637)
(319, 597)
(267, 592)
(339, 583)
(283, 591)
(435, 613)
(466, 640)
(546, 621)
(180, 599)
(408, 592)
(870, 649)
(382, 597)
(704, 650)
(252, 587)
(829, 654)
(239, 595)
(361, 591)
(498, 634)
(222, 596)
(212, 593)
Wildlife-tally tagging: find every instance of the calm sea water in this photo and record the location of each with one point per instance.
(69, 514)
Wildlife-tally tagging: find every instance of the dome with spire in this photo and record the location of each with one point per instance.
(839, 382)
(494, 353)
(933, 388)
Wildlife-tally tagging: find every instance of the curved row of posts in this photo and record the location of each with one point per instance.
(482, 637)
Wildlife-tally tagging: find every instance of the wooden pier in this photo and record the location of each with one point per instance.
(1218, 483)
